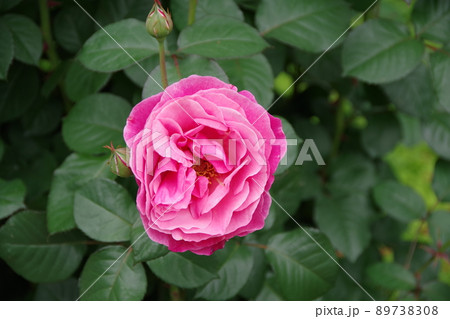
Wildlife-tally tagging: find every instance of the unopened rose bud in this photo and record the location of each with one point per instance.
(118, 162)
(159, 22)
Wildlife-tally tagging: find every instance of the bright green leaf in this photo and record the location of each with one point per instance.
(28, 249)
(252, 74)
(81, 82)
(94, 122)
(391, 276)
(123, 280)
(381, 51)
(346, 221)
(297, 22)
(145, 249)
(399, 201)
(232, 275)
(103, 54)
(302, 269)
(12, 195)
(28, 44)
(197, 270)
(220, 37)
(104, 211)
(186, 67)
(6, 50)
(76, 172)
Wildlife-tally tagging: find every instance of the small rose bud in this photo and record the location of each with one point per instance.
(159, 22)
(118, 162)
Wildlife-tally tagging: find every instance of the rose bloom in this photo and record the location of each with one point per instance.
(203, 155)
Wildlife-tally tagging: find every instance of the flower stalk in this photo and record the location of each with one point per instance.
(159, 25)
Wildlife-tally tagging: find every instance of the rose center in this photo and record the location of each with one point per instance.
(205, 169)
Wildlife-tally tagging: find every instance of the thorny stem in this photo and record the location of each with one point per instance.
(192, 8)
(162, 63)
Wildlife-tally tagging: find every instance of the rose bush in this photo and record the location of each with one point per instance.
(203, 155)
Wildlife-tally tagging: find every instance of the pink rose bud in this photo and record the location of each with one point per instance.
(159, 22)
(118, 162)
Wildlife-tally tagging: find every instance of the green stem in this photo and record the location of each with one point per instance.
(162, 63)
(47, 33)
(192, 8)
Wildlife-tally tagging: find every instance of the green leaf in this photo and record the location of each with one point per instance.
(413, 94)
(270, 290)
(8, 4)
(220, 37)
(18, 93)
(432, 19)
(139, 73)
(197, 270)
(293, 22)
(436, 291)
(145, 249)
(104, 211)
(233, 274)
(44, 118)
(381, 135)
(350, 173)
(186, 67)
(252, 74)
(123, 280)
(76, 172)
(205, 8)
(292, 148)
(437, 134)
(94, 122)
(27, 38)
(302, 269)
(72, 27)
(6, 50)
(12, 195)
(60, 291)
(103, 54)
(399, 201)
(28, 249)
(381, 51)
(441, 180)
(391, 276)
(81, 82)
(346, 221)
(440, 67)
(110, 11)
(439, 227)
(256, 279)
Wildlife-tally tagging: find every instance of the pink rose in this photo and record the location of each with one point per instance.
(203, 155)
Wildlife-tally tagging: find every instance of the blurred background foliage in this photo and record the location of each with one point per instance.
(376, 104)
